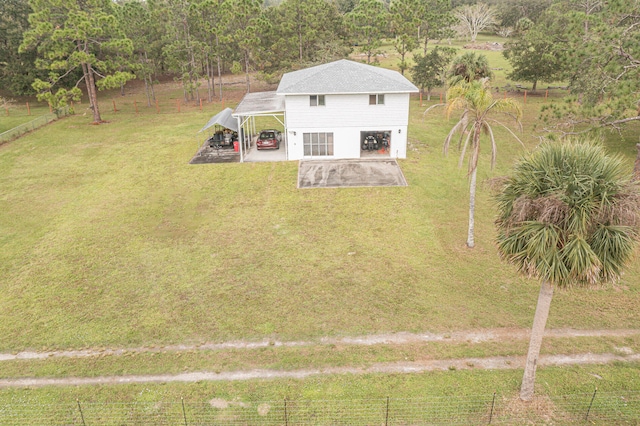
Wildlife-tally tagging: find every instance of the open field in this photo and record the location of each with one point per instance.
(109, 238)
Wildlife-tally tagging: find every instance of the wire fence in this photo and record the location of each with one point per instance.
(29, 126)
(595, 408)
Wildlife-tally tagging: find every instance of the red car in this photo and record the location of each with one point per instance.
(269, 139)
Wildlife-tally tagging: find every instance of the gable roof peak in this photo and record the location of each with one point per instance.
(344, 76)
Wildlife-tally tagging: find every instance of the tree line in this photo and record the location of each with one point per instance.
(54, 47)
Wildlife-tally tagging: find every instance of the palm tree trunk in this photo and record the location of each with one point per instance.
(537, 331)
(636, 167)
(472, 207)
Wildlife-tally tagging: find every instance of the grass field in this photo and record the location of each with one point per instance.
(109, 238)
(461, 395)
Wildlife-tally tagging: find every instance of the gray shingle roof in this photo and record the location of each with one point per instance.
(344, 76)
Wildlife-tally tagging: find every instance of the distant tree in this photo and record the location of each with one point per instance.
(509, 12)
(303, 33)
(430, 70)
(435, 18)
(601, 47)
(535, 56)
(243, 19)
(77, 34)
(346, 6)
(368, 22)
(477, 109)
(404, 25)
(310, 23)
(17, 69)
(468, 67)
(475, 18)
(138, 23)
(568, 215)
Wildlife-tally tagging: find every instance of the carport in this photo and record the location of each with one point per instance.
(261, 104)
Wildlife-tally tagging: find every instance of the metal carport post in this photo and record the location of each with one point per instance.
(259, 104)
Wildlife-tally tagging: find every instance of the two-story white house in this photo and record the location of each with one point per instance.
(330, 109)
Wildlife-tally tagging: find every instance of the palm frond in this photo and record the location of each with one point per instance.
(494, 147)
(569, 214)
(463, 150)
(508, 129)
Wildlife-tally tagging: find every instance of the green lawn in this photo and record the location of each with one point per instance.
(110, 237)
(441, 398)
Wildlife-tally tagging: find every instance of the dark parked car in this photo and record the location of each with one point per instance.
(269, 139)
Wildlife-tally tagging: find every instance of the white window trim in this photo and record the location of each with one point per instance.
(379, 97)
(317, 100)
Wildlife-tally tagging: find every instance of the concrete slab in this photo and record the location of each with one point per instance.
(349, 173)
(208, 155)
(262, 155)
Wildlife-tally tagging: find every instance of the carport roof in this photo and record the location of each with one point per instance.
(260, 103)
(224, 119)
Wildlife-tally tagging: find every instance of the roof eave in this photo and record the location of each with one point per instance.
(351, 93)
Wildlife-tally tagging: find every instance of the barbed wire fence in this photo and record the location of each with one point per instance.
(604, 408)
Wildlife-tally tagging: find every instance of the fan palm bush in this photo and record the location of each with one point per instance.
(568, 215)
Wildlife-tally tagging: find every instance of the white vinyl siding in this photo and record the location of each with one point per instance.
(350, 110)
(344, 116)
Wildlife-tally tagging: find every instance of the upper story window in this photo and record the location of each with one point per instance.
(376, 99)
(316, 100)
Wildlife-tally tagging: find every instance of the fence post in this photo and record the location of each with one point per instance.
(114, 105)
(178, 104)
(546, 94)
(286, 419)
(135, 104)
(184, 413)
(81, 415)
(586, 418)
(493, 404)
(200, 104)
(386, 418)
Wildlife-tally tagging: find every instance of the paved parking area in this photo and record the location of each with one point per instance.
(349, 173)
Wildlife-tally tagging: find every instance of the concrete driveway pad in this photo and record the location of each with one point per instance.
(349, 173)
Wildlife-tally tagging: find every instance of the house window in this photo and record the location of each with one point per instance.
(376, 99)
(316, 100)
(317, 144)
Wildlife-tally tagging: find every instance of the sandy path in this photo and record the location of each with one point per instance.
(489, 363)
(400, 338)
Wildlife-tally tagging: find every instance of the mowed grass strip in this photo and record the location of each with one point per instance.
(161, 361)
(110, 238)
(447, 395)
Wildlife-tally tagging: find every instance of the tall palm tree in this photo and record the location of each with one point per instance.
(478, 110)
(568, 215)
